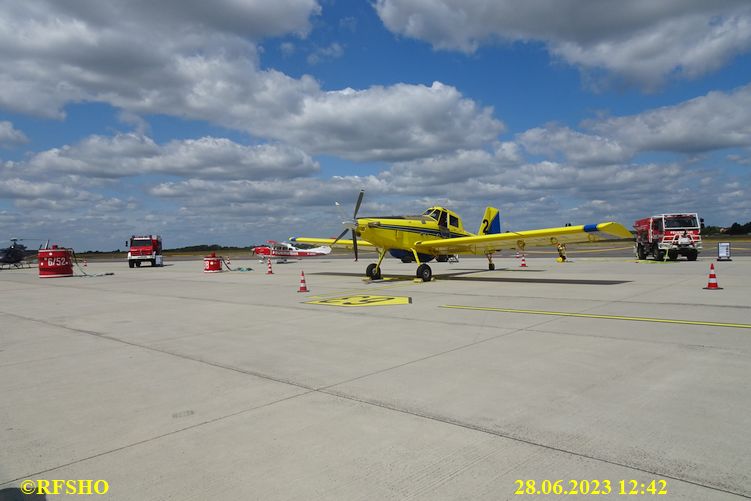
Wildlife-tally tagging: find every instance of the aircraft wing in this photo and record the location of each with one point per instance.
(519, 240)
(341, 244)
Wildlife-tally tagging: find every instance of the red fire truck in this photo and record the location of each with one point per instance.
(668, 235)
(145, 249)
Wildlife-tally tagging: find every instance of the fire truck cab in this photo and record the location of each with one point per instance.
(145, 249)
(670, 235)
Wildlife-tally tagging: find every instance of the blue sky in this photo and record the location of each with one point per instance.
(242, 121)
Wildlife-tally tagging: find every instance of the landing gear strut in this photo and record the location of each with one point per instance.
(373, 271)
(491, 265)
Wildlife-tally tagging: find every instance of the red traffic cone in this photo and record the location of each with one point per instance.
(303, 285)
(268, 268)
(517, 256)
(228, 260)
(524, 262)
(712, 284)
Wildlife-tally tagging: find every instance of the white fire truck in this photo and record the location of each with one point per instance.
(145, 249)
(670, 235)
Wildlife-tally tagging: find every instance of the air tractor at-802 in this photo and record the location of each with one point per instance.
(668, 235)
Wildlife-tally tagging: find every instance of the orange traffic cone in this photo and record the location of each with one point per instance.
(712, 284)
(268, 268)
(303, 285)
(524, 262)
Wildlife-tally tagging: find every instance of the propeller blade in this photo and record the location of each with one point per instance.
(354, 243)
(340, 236)
(359, 201)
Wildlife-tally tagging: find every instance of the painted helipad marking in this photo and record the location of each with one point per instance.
(363, 300)
(606, 317)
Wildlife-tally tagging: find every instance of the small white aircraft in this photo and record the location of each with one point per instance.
(284, 250)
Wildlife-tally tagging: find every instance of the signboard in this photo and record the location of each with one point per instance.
(723, 251)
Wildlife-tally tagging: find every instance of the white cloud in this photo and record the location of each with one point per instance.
(320, 54)
(10, 136)
(577, 147)
(208, 157)
(200, 61)
(641, 40)
(714, 121)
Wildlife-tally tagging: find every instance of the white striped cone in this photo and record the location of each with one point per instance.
(85, 263)
(712, 284)
(303, 285)
(524, 262)
(268, 268)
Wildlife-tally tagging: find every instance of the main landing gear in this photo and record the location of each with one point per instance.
(373, 271)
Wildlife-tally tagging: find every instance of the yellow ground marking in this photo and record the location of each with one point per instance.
(362, 300)
(591, 315)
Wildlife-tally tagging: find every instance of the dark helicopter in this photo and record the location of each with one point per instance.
(15, 255)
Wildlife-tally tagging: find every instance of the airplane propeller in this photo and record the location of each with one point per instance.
(352, 225)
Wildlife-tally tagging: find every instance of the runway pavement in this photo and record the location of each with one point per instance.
(171, 383)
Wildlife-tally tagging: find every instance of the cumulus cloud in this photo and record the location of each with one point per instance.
(201, 62)
(131, 154)
(641, 40)
(319, 54)
(576, 147)
(10, 136)
(714, 121)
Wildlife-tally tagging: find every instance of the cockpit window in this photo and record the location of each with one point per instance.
(454, 221)
(432, 213)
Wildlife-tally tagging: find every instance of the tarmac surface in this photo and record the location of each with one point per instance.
(171, 383)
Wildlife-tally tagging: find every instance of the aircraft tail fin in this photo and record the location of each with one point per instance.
(491, 222)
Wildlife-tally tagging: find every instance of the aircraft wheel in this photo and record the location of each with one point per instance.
(372, 271)
(491, 266)
(424, 272)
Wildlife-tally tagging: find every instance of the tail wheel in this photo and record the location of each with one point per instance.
(424, 272)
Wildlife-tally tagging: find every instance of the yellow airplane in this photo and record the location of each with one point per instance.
(438, 233)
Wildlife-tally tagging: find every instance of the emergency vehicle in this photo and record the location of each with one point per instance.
(145, 249)
(671, 235)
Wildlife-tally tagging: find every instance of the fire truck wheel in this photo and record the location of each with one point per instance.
(138, 264)
(153, 262)
(660, 256)
(672, 255)
(692, 255)
(640, 252)
(131, 264)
